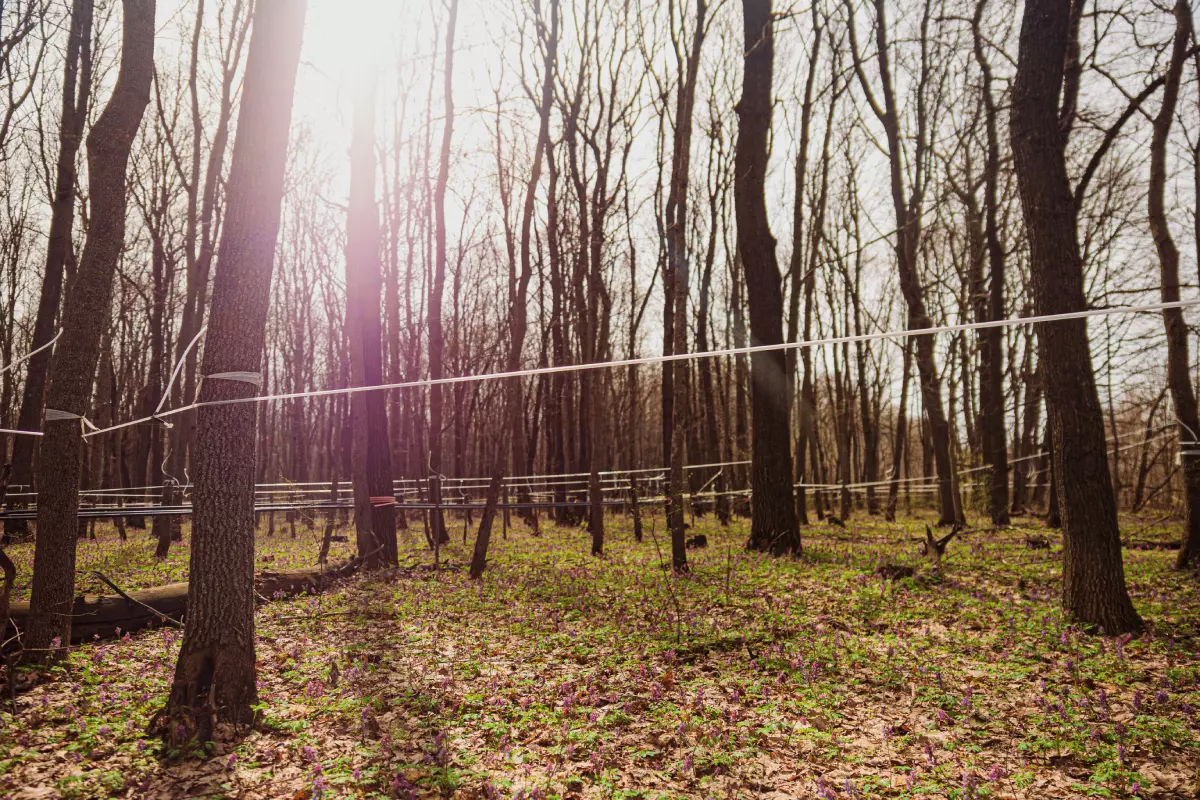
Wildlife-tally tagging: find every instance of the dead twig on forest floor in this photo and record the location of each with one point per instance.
(163, 617)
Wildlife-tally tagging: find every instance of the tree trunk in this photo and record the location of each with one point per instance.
(215, 676)
(991, 340)
(900, 440)
(679, 270)
(76, 95)
(85, 318)
(1093, 574)
(517, 308)
(437, 342)
(375, 522)
(1178, 365)
(773, 523)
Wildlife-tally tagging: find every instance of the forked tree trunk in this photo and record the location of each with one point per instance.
(773, 523)
(84, 321)
(76, 95)
(1093, 574)
(1178, 364)
(375, 522)
(215, 675)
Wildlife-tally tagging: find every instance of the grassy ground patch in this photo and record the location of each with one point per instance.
(562, 675)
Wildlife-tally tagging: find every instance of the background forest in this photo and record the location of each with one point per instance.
(286, 285)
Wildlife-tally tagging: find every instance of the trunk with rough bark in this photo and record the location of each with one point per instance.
(1178, 365)
(215, 676)
(76, 95)
(1093, 574)
(773, 522)
(85, 318)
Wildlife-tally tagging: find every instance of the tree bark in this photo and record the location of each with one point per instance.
(215, 677)
(1178, 365)
(908, 236)
(518, 318)
(375, 523)
(76, 95)
(679, 271)
(991, 340)
(1093, 575)
(773, 523)
(437, 344)
(85, 318)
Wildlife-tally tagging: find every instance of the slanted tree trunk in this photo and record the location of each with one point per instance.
(1093, 574)
(375, 523)
(215, 675)
(773, 523)
(1178, 365)
(76, 95)
(907, 203)
(518, 317)
(84, 321)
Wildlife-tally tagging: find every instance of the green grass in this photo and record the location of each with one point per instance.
(571, 676)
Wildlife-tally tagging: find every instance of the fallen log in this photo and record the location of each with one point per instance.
(109, 616)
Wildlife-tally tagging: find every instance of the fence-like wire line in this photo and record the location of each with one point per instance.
(903, 334)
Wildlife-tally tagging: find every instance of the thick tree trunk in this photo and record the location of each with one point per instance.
(85, 318)
(1093, 575)
(215, 677)
(773, 524)
(76, 95)
(375, 522)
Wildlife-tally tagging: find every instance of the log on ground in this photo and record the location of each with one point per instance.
(109, 616)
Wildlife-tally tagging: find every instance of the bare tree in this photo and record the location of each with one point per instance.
(1093, 574)
(437, 343)
(1179, 377)
(375, 521)
(678, 271)
(84, 321)
(76, 95)
(773, 525)
(215, 673)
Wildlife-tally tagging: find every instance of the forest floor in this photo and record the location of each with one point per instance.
(564, 675)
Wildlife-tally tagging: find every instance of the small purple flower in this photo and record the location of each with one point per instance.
(232, 762)
(308, 753)
(1137, 701)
